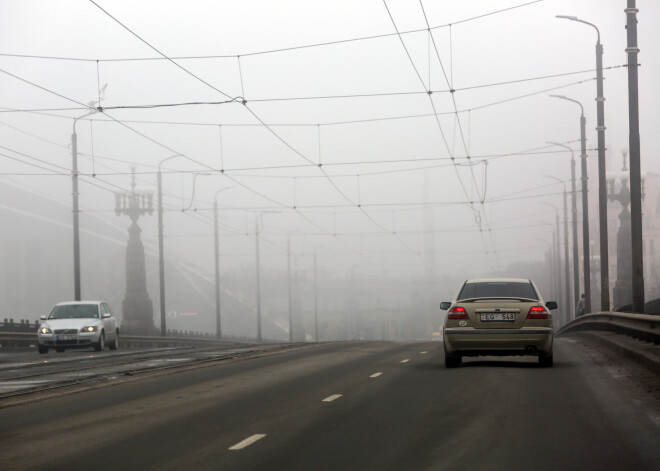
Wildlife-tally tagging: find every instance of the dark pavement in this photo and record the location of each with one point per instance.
(353, 406)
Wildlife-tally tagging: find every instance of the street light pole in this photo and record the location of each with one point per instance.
(567, 289)
(288, 258)
(76, 209)
(635, 165)
(602, 180)
(256, 238)
(76, 222)
(585, 207)
(316, 301)
(576, 263)
(557, 242)
(161, 260)
(256, 231)
(216, 247)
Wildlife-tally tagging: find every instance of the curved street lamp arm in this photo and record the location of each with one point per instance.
(558, 179)
(570, 99)
(192, 198)
(564, 146)
(575, 18)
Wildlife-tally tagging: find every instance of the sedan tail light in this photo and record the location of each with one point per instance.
(537, 312)
(457, 312)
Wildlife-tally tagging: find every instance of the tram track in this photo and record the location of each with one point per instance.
(112, 371)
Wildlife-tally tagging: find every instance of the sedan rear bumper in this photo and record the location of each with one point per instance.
(472, 342)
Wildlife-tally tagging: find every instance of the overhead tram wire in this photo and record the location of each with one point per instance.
(372, 219)
(450, 84)
(101, 110)
(429, 93)
(158, 51)
(530, 151)
(245, 105)
(322, 97)
(274, 51)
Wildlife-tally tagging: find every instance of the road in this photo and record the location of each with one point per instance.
(351, 406)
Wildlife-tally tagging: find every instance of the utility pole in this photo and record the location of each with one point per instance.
(76, 214)
(602, 179)
(567, 274)
(316, 301)
(635, 161)
(216, 259)
(76, 208)
(256, 233)
(576, 262)
(585, 208)
(602, 182)
(576, 258)
(216, 250)
(288, 258)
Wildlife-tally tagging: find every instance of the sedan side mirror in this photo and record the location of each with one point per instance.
(445, 305)
(43, 318)
(106, 315)
(552, 305)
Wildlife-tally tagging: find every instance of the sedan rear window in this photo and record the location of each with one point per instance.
(498, 289)
(75, 311)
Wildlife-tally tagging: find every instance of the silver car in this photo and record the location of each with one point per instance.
(498, 317)
(79, 324)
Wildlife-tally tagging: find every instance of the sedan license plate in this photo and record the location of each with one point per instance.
(497, 316)
(66, 337)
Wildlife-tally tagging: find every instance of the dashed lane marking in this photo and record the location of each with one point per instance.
(248, 441)
(332, 398)
(424, 353)
(406, 360)
(376, 375)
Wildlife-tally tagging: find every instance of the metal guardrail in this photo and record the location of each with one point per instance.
(640, 326)
(25, 339)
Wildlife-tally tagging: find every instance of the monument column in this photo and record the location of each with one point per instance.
(137, 307)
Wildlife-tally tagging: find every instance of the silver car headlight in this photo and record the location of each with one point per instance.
(45, 330)
(89, 328)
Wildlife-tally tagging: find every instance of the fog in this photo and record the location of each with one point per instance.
(320, 127)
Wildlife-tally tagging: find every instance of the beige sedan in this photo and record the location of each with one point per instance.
(498, 317)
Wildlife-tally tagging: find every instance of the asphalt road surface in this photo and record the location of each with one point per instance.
(352, 406)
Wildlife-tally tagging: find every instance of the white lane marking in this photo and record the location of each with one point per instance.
(376, 375)
(406, 360)
(424, 353)
(332, 398)
(248, 441)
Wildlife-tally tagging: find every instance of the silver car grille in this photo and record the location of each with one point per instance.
(66, 331)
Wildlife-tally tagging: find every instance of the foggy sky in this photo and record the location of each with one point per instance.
(362, 210)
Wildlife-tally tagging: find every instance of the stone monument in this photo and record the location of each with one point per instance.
(137, 307)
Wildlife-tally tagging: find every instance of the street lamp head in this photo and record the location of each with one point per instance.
(556, 179)
(575, 18)
(192, 198)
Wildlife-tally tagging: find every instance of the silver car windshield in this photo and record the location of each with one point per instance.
(498, 289)
(75, 311)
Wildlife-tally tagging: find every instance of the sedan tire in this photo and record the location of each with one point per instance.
(100, 345)
(545, 360)
(114, 345)
(452, 361)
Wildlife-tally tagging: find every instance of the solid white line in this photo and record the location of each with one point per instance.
(248, 441)
(376, 375)
(332, 398)
(406, 360)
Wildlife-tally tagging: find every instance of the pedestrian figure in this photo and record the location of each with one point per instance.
(579, 310)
